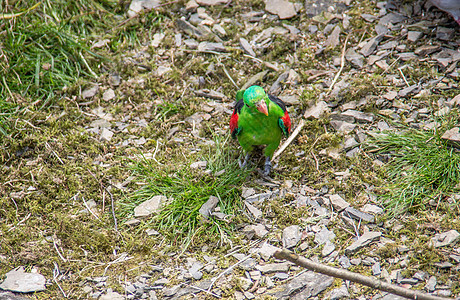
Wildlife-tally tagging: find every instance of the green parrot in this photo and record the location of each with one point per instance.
(259, 120)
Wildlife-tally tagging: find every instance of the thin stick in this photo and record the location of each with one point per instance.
(392, 64)
(203, 290)
(354, 277)
(56, 273)
(228, 270)
(342, 64)
(20, 222)
(316, 160)
(404, 77)
(57, 250)
(226, 73)
(89, 209)
(289, 140)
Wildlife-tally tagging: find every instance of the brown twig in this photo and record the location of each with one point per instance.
(342, 64)
(316, 160)
(290, 139)
(354, 277)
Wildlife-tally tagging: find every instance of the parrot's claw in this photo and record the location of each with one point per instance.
(267, 166)
(245, 162)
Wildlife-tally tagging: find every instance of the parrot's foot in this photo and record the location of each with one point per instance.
(267, 166)
(245, 162)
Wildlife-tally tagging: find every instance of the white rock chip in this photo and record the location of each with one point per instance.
(208, 207)
(109, 94)
(338, 203)
(363, 241)
(372, 209)
(291, 236)
(150, 206)
(316, 110)
(90, 92)
(106, 135)
(17, 280)
(112, 296)
(211, 2)
(284, 9)
(444, 239)
(137, 6)
(267, 251)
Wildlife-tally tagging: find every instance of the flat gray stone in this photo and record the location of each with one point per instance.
(414, 36)
(284, 9)
(260, 230)
(257, 213)
(108, 95)
(342, 126)
(106, 135)
(339, 293)
(273, 268)
(112, 296)
(211, 2)
(208, 207)
(376, 269)
(267, 251)
(150, 206)
(363, 241)
(136, 6)
(291, 236)
(372, 209)
(371, 45)
(405, 56)
(444, 33)
(350, 143)
(338, 203)
(324, 235)
(359, 116)
(408, 90)
(10, 296)
(328, 248)
(201, 164)
(333, 39)
(317, 110)
(358, 215)
(247, 47)
(195, 270)
(356, 59)
(208, 46)
(17, 280)
(452, 136)
(307, 285)
(427, 50)
(189, 28)
(344, 262)
(392, 18)
(431, 284)
(445, 239)
(90, 92)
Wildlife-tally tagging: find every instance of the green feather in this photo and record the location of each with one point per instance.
(257, 128)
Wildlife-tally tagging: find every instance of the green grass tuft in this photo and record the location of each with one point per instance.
(422, 167)
(188, 189)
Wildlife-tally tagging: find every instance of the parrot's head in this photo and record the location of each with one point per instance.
(256, 98)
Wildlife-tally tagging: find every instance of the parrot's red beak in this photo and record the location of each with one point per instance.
(262, 107)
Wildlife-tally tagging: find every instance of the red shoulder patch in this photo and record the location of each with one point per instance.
(287, 121)
(234, 123)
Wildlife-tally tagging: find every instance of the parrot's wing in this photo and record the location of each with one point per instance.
(284, 121)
